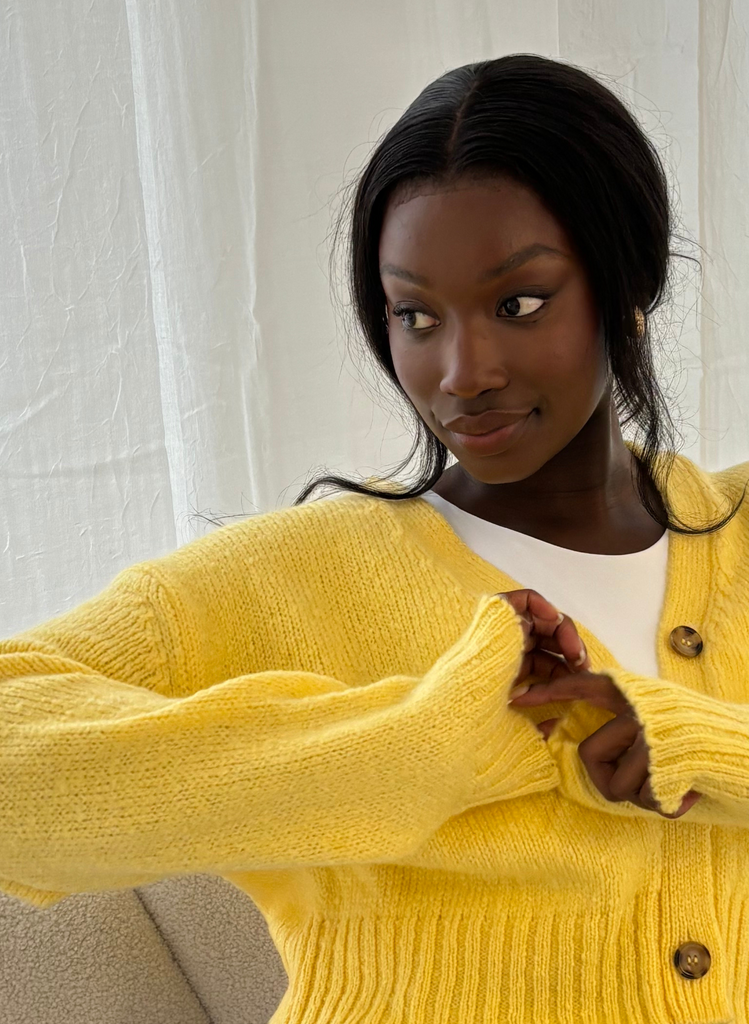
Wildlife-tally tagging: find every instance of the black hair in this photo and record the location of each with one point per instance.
(555, 129)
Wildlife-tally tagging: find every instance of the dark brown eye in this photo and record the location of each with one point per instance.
(407, 317)
(513, 305)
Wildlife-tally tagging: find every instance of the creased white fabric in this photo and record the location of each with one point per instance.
(169, 177)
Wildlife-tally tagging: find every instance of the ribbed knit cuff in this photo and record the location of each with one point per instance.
(509, 754)
(695, 741)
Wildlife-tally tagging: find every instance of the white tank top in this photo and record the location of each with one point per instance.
(617, 597)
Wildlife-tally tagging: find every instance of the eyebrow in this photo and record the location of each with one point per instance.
(517, 259)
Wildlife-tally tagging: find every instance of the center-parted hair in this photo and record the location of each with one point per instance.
(555, 129)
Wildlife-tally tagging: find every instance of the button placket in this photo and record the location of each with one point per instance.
(692, 959)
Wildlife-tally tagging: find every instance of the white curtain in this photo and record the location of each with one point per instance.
(170, 174)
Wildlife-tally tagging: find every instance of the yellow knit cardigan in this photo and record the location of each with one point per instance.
(312, 704)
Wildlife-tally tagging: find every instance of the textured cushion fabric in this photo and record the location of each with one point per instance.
(191, 950)
(221, 942)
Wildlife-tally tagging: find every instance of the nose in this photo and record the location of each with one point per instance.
(474, 360)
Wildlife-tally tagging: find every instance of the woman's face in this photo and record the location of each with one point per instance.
(467, 336)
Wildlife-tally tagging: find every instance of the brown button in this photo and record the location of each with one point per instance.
(686, 641)
(692, 960)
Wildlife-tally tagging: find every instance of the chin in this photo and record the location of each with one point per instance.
(484, 475)
(506, 468)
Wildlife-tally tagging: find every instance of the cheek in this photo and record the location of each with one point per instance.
(417, 375)
(572, 364)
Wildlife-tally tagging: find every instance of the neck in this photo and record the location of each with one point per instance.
(585, 497)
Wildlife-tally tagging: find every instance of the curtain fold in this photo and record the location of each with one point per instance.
(170, 341)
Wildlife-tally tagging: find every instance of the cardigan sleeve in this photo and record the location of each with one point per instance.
(108, 782)
(696, 742)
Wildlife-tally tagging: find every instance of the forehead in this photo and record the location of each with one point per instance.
(471, 221)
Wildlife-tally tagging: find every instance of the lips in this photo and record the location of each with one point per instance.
(493, 442)
(493, 419)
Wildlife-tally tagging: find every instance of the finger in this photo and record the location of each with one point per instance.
(689, 801)
(571, 645)
(547, 643)
(546, 666)
(631, 774)
(552, 644)
(601, 751)
(540, 665)
(530, 605)
(542, 610)
(546, 728)
(648, 797)
(597, 689)
(548, 621)
(567, 638)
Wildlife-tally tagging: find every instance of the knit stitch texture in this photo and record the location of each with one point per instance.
(312, 704)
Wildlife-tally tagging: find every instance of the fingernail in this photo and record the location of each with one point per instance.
(560, 620)
(583, 656)
(518, 692)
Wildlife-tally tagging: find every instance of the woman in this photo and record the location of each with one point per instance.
(317, 703)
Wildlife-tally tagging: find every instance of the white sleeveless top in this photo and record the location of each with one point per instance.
(617, 597)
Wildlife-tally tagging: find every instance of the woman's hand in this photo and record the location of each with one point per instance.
(616, 756)
(546, 630)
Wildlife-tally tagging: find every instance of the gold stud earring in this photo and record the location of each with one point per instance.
(640, 319)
